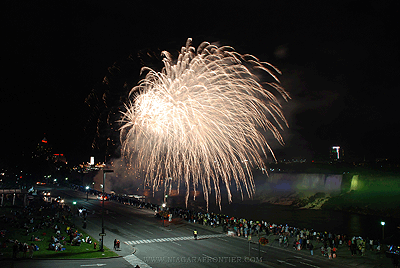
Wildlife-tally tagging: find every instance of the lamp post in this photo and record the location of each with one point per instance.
(383, 229)
(87, 193)
(102, 209)
(163, 214)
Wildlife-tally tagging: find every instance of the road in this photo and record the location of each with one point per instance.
(148, 242)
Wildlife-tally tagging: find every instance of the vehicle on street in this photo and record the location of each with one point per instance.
(101, 197)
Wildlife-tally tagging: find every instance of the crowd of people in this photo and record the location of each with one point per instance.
(302, 238)
(284, 235)
(39, 221)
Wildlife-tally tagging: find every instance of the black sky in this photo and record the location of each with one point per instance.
(340, 63)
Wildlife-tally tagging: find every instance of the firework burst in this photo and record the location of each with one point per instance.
(200, 121)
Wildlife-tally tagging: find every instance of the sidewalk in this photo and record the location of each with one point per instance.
(370, 260)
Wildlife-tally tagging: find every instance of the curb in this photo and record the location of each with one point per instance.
(47, 259)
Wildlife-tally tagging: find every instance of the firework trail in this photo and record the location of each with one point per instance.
(200, 121)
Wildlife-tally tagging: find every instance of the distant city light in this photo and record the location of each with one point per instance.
(336, 148)
(92, 160)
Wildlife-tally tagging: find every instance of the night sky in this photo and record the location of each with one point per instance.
(340, 64)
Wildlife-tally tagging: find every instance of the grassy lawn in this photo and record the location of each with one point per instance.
(14, 221)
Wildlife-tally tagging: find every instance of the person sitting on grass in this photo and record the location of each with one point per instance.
(76, 241)
(54, 239)
(58, 247)
(71, 237)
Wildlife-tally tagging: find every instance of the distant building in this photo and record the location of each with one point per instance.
(43, 150)
(336, 154)
(60, 158)
(88, 167)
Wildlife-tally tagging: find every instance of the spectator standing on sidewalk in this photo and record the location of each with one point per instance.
(329, 251)
(311, 247)
(195, 234)
(334, 250)
(353, 249)
(363, 244)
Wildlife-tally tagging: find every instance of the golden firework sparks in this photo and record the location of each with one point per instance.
(201, 119)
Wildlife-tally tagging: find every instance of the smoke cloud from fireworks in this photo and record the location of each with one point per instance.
(202, 120)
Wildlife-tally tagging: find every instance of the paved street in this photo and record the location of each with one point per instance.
(148, 242)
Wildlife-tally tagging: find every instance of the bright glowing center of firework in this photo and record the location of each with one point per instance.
(201, 120)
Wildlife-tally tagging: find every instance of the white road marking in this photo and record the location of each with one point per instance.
(309, 264)
(128, 223)
(148, 232)
(176, 243)
(171, 239)
(286, 263)
(260, 250)
(91, 265)
(132, 259)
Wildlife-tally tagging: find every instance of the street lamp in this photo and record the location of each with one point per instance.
(87, 193)
(383, 229)
(102, 209)
(163, 213)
